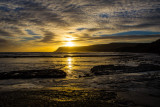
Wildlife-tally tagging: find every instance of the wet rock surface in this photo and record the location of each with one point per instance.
(26, 74)
(112, 69)
(62, 98)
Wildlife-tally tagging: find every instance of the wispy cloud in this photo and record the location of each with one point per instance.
(48, 37)
(83, 19)
(30, 32)
(5, 33)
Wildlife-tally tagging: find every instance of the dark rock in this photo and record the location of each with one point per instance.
(102, 69)
(148, 67)
(49, 73)
(111, 69)
(85, 75)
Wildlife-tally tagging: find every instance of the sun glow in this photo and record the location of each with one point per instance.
(69, 44)
(69, 39)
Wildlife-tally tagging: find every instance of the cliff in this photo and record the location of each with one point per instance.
(153, 47)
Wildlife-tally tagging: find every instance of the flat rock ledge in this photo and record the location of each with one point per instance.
(27, 74)
(112, 69)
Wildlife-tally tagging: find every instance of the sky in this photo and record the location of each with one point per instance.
(45, 25)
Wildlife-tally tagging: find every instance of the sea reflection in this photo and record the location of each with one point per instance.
(69, 64)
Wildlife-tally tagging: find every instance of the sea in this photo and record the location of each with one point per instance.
(79, 76)
(76, 65)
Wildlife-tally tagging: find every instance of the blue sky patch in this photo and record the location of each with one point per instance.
(30, 32)
(80, 29)
(134, 33)
(104, 15)
(31, 38)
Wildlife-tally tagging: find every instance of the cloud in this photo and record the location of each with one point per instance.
(135, 33)
(83, 19)
(99, 29)
(80, 29)
(3, 41)
(118, 38)
(31, 38)
(30, 11)
(125, 37)
(30, 32)
(4, 33)
(48, 37)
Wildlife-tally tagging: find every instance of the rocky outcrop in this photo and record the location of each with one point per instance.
(26, 74)
(112, 69)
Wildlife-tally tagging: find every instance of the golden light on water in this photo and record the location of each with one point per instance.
(69, 62)
(69, 65)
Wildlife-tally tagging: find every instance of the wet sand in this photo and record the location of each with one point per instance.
(122, 94)
(48, 98)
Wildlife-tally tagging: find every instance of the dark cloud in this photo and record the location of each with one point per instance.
(63, 13)
(4, 33)
(99, 29)
(144, 25)
(2, 41)
(31, 11)
(80, 29)
(10, 31)
(127, 37)
(48, 37)
(15, 30)
(119, 38)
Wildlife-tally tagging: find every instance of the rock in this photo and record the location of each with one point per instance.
(102, 69)
(26, 74)
(112, 69)
(108, 69)
(148, 67)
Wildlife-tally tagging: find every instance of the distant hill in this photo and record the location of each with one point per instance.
(153, 47)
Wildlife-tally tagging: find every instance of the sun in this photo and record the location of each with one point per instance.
(68, 40)
(70, 44)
